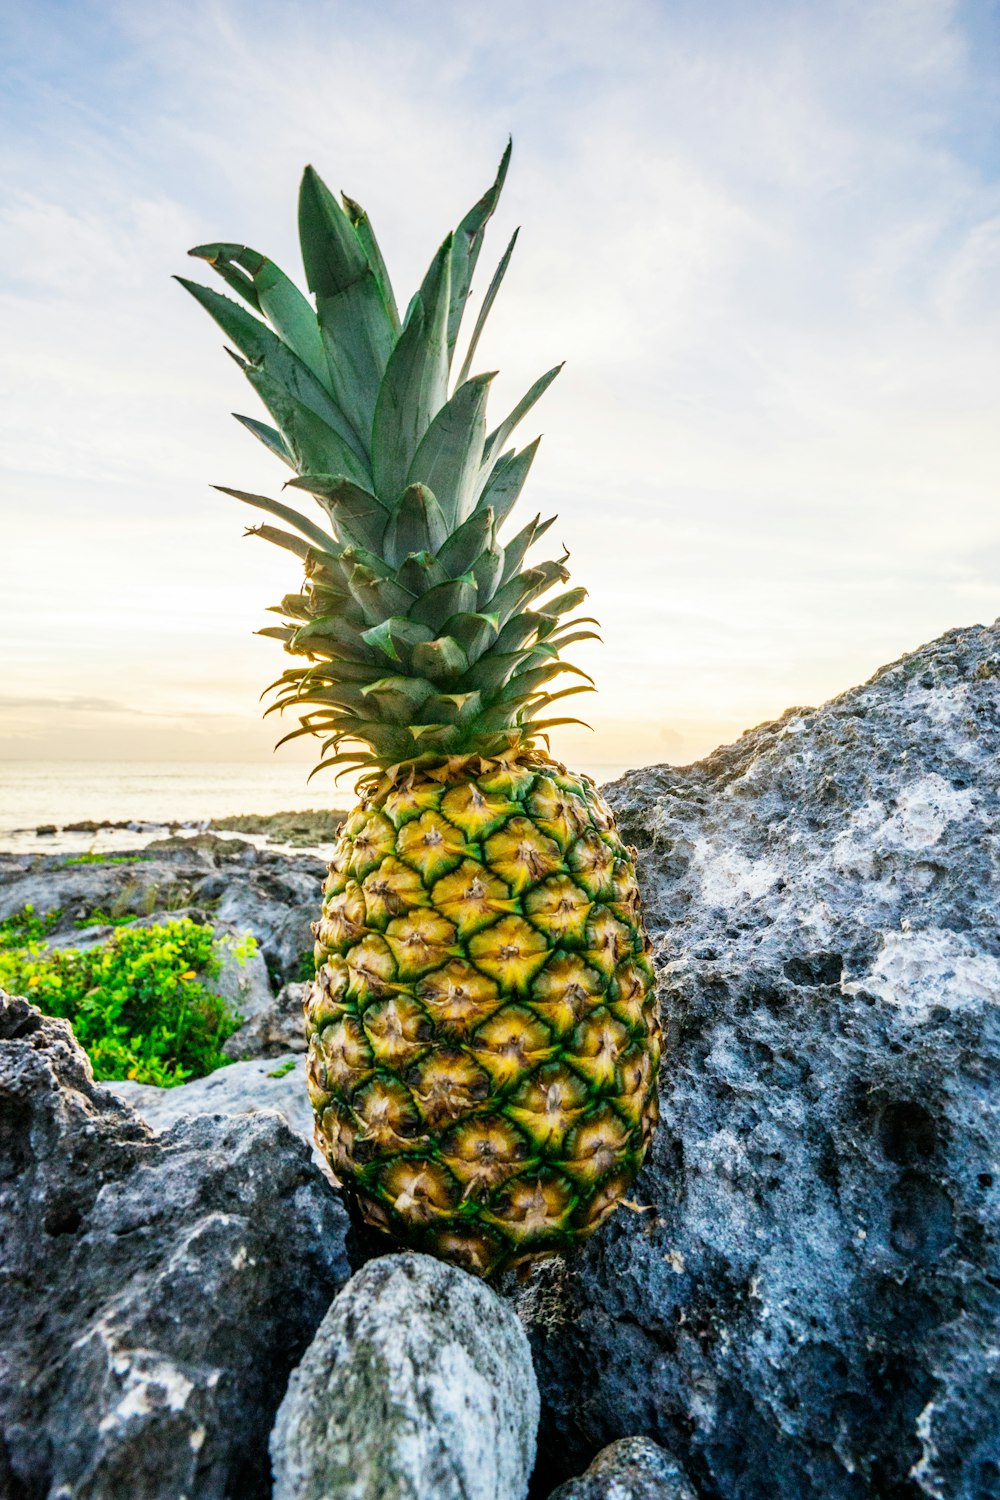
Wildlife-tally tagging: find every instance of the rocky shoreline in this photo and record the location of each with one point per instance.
(309, 829)
(801, 1299)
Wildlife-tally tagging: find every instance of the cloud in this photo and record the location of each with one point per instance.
(765, 239)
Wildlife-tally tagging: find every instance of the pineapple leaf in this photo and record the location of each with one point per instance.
(316, 535)
(395, 633)
(280, 538)
(487, 570)
(441, 660)
(315, 445)
(474, 632)
(506, 481)
(484, 311)
(399, 698)
(416, 525)
(361, 225)
(421, 572)
(360, 519)
(450, 454)
(415, 384)
(464, 545)
(435, 608)
(514, 552)
(282, 371)
(499, 436)
(270, 437)
(356, 327)
(466, 245)
(272, 293)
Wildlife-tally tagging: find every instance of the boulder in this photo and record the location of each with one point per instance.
(275, 1029)
(242, 1088)
(631, 1469)
(417, 1386)
(803, 1299)
(154, 1291)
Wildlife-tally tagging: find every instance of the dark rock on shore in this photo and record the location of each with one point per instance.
(154, 1291)
(805, 1300)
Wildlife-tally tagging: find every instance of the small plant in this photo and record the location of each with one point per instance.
(25, 927)
(304, 971)
(99, 918)
(285, 1068)
(137, 1003)
(91, 858)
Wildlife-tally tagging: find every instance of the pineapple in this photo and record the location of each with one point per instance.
(483, 1037)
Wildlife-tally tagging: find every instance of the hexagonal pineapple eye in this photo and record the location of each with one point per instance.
(592, 864)
(386, 1114)
(420, 941)
(521, 855)
(530, 1208)
(511, 1043)
(397, 1029)
(374, 839)
(561, 814)
(596, 1146)
(343, 1050)
(595, 1046)
(474, 811)
(420, 1191)
(431, 845)
(547, 1104)
(565, 991)
(446, 1085)
(391, 890)
(511, 951)
(471, 897)
(371, 966)
(560, 908)
(483, 1152)
(458, 996)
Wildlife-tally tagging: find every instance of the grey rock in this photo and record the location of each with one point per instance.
(631, 1469)
(809, 1306)
(154, 1291)
(243, 978)
(276, 1029)
(417, 1386)
(242, 1088)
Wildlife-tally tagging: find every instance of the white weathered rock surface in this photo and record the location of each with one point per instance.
(154, 1290)
(276, 1028)
(809, 1309)
(631, 1469)
(263, 1083)
(417, 1386)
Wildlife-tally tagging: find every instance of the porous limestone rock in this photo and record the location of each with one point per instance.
(631, 1469)
(154, 1291)
(417, 1386)
(803, 1301)
(241, 1088)
(278, 1027)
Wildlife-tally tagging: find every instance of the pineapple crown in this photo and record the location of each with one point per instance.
(423, 636)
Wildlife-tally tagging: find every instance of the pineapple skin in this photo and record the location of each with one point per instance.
(483, 1034)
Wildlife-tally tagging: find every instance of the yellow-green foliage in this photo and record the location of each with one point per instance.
(137, 1003)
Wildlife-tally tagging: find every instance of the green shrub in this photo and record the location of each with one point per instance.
(104, 859)
(136, 1003)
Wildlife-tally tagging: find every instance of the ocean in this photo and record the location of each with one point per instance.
(153, 797)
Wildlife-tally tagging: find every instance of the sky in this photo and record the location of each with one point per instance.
(765, 238)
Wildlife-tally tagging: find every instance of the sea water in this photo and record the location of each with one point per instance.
(153, 797)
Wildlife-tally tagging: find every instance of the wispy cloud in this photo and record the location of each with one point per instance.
(765, 238)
